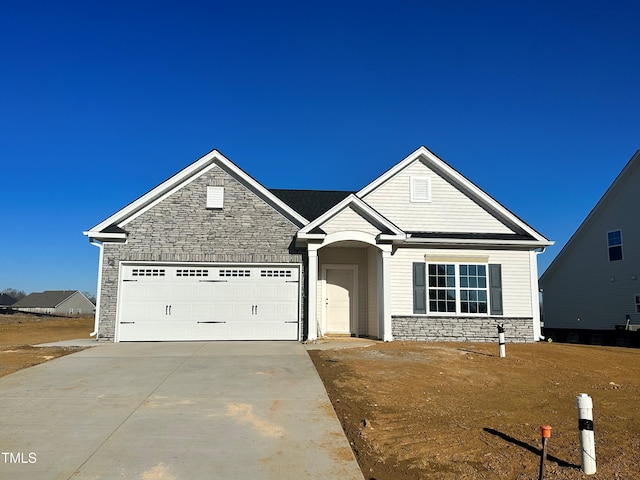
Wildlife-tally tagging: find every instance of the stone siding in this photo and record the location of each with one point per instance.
(461, 329)
(182, 229)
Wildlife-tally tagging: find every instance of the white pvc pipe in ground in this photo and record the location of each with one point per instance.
(585, 426)
(501, 341)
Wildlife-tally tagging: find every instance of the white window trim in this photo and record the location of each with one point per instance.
(457, 288)
(415, 192)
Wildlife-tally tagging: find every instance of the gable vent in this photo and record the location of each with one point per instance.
(215, 197)
(420, 189)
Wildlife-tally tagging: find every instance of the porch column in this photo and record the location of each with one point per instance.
(384, 294)
(312, 302)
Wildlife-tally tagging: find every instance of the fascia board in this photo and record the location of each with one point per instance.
(248, 180)
(359, 204)
(483, 242)
(125, 213)
(395, 237)
(453, 175)
(392, 172)
(182, 178)
(310, 236)
(96, 234)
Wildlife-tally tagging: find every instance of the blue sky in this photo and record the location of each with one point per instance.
(535, 102)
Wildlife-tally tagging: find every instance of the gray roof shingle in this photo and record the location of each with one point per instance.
(47, 299)
(310, 203)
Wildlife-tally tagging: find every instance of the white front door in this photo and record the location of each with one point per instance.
(340, 301)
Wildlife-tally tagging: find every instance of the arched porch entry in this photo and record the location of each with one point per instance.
(348, 272)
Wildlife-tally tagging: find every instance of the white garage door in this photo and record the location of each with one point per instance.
(208, 302)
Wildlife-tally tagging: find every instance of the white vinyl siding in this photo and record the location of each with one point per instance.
(516, 278)
(448, 211)
(349, 220)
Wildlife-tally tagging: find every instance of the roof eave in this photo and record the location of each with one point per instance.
(480, 242)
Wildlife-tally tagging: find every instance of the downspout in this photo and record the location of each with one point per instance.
(98, 244)
(535, 295)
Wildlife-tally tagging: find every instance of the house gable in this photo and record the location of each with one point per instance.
(352, 214)
(112, 228)
(453, 206)
(583, 288)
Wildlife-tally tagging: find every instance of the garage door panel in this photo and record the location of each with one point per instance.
(205, 302)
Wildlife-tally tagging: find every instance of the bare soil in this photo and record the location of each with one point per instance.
(19, 332)
(442, 410)
(459, 411)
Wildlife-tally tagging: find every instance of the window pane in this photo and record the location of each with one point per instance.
(473, 289)
(615, 253)
(615, 238)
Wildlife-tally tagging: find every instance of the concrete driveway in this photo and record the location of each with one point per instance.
(172, 411)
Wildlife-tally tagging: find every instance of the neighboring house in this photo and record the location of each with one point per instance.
(56, 302)
(593, 284)
(421, 253)
(6, 300)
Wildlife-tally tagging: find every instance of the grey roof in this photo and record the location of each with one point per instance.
(47, 299)
(310, 203)
(6, 300)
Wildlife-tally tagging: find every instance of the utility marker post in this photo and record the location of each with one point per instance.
(546, 435)
(501, 341)
(585, 426)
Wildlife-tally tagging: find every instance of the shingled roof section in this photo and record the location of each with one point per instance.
(6, 300)
(48, 299)
(310, 203)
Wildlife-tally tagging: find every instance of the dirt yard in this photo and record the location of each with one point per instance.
(445, 411)
(459, 411)
(19, 332)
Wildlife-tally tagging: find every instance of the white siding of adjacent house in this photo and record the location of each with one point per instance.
(582, 283)
(349, 220)
(448, 211)
(516, 278)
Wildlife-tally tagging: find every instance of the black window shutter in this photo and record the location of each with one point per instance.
(495, 288)
(419, 288)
